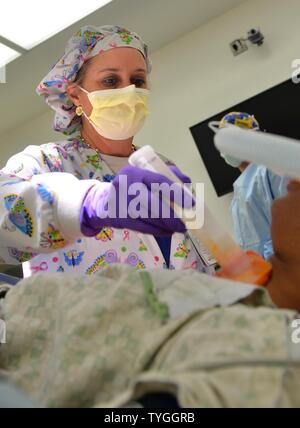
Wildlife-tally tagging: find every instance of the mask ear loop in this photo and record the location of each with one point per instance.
(214, 126)
(79, 109)
(83, 112)
(84, 90)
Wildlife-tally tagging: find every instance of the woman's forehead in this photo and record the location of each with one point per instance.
(119, 59)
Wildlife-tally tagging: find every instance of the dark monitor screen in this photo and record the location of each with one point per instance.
(277, 111)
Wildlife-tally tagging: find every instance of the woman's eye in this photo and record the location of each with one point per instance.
(113, 82)
(110, 81)
(138, 82)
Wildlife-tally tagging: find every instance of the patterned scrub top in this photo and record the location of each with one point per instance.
(42, 189)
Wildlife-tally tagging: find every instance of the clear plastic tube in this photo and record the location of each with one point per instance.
(235, 263)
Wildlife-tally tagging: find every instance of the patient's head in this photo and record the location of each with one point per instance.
(242, 120)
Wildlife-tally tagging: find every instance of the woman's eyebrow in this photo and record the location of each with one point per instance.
(138, 70)
(107, 69)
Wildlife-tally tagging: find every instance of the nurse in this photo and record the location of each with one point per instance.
(254, 193)
(54, 198)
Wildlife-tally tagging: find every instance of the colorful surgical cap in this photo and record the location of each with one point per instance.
(243, 120)
(86, 43)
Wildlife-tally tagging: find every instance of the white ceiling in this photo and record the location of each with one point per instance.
(159, 22)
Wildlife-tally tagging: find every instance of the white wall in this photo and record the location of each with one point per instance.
(196, 77)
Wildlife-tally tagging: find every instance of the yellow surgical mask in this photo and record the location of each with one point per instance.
(118, 114)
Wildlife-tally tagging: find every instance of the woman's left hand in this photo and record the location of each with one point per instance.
(139, 200)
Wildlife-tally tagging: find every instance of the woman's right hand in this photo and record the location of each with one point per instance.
(131, 202)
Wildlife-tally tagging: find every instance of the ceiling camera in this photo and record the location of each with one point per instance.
(256, 37)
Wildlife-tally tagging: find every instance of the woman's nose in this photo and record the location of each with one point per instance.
(125, 83)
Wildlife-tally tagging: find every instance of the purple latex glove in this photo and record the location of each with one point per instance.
(110, 205)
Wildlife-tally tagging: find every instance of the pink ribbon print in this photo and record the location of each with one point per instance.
(41, 268)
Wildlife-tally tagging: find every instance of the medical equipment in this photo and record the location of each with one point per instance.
(254, 36)
(9, 279)
(278, 153)
(235, 264)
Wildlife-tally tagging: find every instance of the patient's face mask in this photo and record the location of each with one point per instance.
(232, 161)
(118, 114)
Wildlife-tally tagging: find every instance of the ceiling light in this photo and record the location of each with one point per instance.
(29, 22)
(7, 54)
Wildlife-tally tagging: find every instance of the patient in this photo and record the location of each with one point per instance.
(116, 337)
(284, 286)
